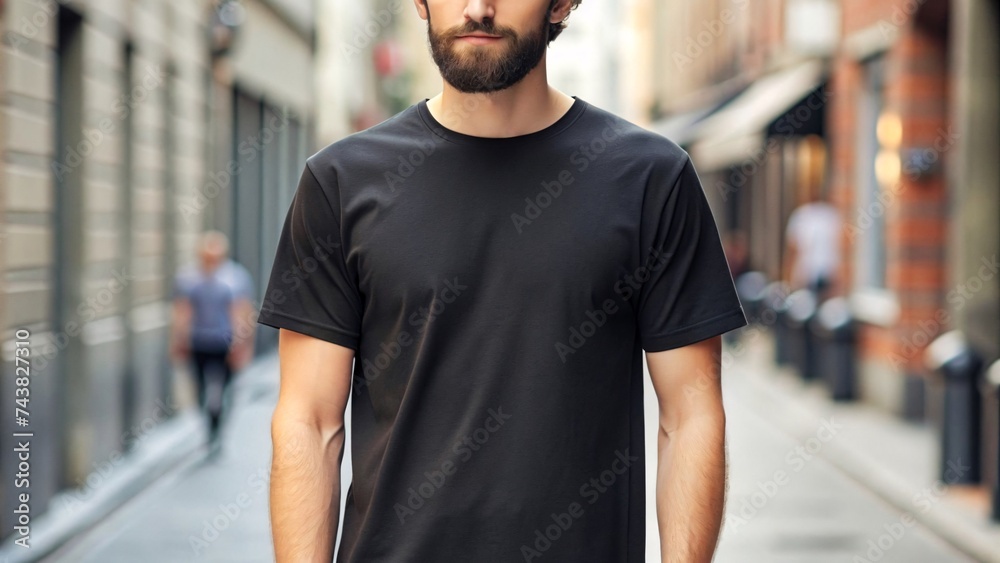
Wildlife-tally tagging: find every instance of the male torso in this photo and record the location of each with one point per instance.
(497, 303)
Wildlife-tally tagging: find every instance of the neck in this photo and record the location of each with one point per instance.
(528, 106)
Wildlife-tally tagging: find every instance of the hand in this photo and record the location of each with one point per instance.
(239, 356)
(179, 351)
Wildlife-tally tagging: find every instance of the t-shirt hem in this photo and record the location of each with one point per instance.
(714, 326)
(309, 328)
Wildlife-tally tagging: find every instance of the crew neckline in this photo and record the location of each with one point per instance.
(558, 126)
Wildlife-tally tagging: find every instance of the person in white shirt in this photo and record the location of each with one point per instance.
(812, 238)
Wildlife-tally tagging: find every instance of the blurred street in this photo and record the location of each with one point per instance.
(217, 510)
(817, 514)
(150, 151)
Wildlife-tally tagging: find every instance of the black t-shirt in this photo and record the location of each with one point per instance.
(499, 293)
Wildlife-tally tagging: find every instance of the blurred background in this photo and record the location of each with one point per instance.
(863, 408)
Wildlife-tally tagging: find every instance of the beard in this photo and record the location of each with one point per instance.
(487, 68)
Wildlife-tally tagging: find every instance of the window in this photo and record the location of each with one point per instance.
(868, 222)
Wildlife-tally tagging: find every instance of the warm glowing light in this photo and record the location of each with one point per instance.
(887, 167)
(889, 130)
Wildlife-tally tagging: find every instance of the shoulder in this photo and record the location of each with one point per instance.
(657, 155)
(186, 274)
(186, 280)
(235, 275)
(368, 146)
(796, 215)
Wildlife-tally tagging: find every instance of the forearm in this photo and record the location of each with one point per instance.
(180, 324)
(244, 322)
(304, 490)
(690, 488)
(788, 265)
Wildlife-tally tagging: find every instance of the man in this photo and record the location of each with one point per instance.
(812, 246)
(493, 261)
(212, 324)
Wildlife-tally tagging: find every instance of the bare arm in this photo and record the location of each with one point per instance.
(307, 431)
(180, 329)
(691, 450)
(243, 318)
(788, 265)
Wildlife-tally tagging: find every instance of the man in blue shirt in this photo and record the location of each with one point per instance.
(212, 326)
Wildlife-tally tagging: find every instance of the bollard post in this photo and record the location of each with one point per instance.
(993, 376)
(801, 310)
(959, 366)
(835, 331)
(776, 299)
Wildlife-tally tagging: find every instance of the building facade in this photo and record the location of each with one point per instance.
(129, 126)
(887, 108)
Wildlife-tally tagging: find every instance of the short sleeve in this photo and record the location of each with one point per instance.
(689, 294)
(310, 289)
(243, 283)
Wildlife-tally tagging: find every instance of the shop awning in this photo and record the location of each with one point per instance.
(738, 130)
(681, 127)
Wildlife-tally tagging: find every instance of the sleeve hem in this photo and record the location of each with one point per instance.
(309, 328)
(714, 326)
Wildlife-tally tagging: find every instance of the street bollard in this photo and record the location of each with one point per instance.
(993, 376)
(801, 310)
(774, 309)
(961, 429)
(834, 329)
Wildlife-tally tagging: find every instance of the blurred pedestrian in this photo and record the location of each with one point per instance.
(812, 238)
(737, 249)
(212, 324)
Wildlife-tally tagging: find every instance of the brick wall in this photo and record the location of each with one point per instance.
(916, 212)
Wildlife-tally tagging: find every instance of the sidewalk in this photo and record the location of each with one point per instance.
(895, 459)
(171, 453)
(175, 442)
(821, 509)
(218, 511)
(208, 509)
